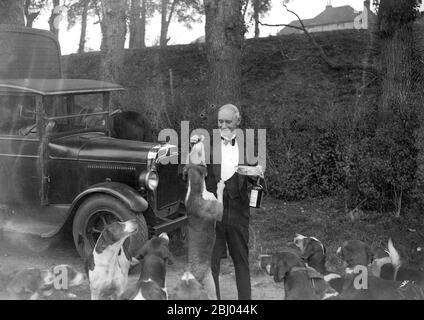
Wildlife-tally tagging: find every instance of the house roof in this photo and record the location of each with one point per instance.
(335, 15)
(295, 23)
(331, 15)
(48, 87)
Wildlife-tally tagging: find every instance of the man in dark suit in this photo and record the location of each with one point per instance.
(233, 230)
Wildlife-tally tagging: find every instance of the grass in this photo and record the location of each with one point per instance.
(273, 227)
(275, 224)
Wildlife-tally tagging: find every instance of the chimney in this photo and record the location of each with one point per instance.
(367, 4)
(328, 5)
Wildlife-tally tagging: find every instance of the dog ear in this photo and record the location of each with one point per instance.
(339, 253)
(142, 252)
(279, 270)
(126, 247)
(169, 257)
(308, 249)
(370, 254)
(184, 173)
(89, 263)
(164, 238)
(106, 238)
(280, 273)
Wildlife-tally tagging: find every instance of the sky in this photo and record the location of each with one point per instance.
(179, 34)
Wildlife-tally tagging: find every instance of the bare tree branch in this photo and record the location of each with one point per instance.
(245, 8)
(280, 25)
(323, 55)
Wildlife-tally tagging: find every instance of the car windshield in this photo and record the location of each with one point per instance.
(75, 112)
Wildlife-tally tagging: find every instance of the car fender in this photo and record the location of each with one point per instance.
(130, 197)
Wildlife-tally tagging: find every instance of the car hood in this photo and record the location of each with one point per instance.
(97, 146)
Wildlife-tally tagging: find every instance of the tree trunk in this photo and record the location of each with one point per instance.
(83, 27)
(224, 31)
(419, 174)
(399, 106)
(143, 20)
(114, 28)
(135, 12)
(256, 17)
(396, 55)
(138, 21)
(396, 63)
(166, 20)
(53, 16)
(12, 12)
(163, 28)
(30, 17)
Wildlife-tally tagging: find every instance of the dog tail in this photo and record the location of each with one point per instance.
(394, 257)
(393, 254)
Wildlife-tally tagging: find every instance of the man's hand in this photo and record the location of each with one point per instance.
(196, 138)
(256, 171)
(260, 171)
(197, 153)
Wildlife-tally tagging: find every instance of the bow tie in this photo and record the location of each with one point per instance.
(233, 141)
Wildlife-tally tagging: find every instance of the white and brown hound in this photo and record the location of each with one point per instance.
(108, 265)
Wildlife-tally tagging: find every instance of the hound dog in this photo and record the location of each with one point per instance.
(300, 282)
(313, 252)
(378, 289)
(392, 267)
(34, 283)
(203, 210)
(155, 256)
(189, 289)
(109, 263)
(356, 253)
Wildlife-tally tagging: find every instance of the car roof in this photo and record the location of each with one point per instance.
(48, 87)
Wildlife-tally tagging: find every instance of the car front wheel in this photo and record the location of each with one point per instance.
(95, 213)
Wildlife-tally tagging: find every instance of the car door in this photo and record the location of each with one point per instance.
(20, 181)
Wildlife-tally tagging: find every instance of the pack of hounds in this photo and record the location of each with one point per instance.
(302, 268)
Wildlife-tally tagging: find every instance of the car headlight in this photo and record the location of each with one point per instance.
(149, 179)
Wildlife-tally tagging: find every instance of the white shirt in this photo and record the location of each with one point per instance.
(229, 160)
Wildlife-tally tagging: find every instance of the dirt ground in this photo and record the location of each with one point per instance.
(18, 252)
(271, 229)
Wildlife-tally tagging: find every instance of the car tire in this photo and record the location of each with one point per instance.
(111, 209)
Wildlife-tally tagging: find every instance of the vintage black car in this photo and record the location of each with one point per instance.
(60, 166)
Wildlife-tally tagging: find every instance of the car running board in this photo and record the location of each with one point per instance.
(43, 221)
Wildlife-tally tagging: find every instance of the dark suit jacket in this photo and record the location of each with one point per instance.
(236, 193)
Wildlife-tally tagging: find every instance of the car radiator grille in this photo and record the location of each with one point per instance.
(171, 188)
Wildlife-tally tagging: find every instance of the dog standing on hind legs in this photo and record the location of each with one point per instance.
(203, 210)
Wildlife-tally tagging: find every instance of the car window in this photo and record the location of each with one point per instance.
(88, 106)
(16, 114)
(82, 107)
